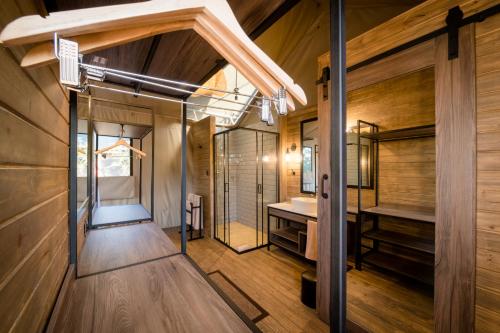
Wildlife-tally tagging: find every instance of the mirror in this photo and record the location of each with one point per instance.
(309, 138)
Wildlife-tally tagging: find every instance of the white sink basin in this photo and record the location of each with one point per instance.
(305, 204)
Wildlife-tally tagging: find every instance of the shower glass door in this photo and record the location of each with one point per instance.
(245, 182)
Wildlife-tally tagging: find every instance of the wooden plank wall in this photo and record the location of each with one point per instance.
(200, 166)
(406, 167)
(488, 175)
(34, 138)
(293, 136)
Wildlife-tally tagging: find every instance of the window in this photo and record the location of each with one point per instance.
(116, 162)
(81, 167)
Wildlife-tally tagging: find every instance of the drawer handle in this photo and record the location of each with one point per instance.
(323, 193)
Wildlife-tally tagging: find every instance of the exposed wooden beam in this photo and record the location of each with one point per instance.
(268, 22)
(410, 25)
(43, 54)
(214, 21)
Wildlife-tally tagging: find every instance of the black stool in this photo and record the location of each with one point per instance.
(308, 290)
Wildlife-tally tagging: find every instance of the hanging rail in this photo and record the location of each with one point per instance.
(72, 68)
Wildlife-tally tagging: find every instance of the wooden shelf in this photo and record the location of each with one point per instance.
(412, 269)
(402, 211)
(288, 233)
(403, 240)
(403, 134)
(287, 245)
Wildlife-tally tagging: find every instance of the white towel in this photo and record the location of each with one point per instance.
(312, 240)
(195, 200)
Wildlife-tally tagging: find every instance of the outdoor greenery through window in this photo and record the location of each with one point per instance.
(116, 162)
(81, 168)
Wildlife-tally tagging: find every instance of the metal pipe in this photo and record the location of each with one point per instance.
(167, 100)
(183, 179)
(180, 90)
(181, 83)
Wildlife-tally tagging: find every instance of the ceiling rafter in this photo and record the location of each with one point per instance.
(148, 60)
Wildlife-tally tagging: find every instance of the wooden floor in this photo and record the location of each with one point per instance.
(242, 237)
(166, 294)
(119, 246)
(375, 301)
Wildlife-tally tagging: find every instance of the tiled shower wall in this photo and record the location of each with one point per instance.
(251, 155)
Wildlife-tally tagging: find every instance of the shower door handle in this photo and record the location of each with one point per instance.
(323, 179)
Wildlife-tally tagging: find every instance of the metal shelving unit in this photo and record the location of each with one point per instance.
(419, 268)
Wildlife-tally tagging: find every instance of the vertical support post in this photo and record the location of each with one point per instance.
(183, 178)
(153, 167)
(90, 162)
(338, 168)
(73, 133)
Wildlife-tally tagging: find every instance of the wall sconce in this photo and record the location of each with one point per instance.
(290, 157)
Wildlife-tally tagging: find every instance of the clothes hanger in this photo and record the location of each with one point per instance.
(121, 142)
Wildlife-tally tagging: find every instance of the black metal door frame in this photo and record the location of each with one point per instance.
(338, 179)
(259, 184)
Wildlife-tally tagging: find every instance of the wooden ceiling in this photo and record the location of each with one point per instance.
(180, 55)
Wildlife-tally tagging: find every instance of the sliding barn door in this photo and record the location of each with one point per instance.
(323, 195)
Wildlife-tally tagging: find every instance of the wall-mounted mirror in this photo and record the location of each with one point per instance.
(309, 138)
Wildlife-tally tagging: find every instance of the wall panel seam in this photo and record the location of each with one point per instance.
(9, 109)
(49, 267)
(22, 214)
(42, 91)
(14, 271)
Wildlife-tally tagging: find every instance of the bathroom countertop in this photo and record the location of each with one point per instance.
(290, 208)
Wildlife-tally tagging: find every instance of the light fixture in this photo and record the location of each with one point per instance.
(265, 110)
(291, 157)
(287, 155)
(265, 158)
(282, 107)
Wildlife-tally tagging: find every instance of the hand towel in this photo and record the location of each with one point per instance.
(312, 240)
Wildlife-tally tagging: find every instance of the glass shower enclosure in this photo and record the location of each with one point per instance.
(246, 181)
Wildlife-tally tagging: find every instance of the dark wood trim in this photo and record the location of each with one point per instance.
(149, 58)
(454, 283)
